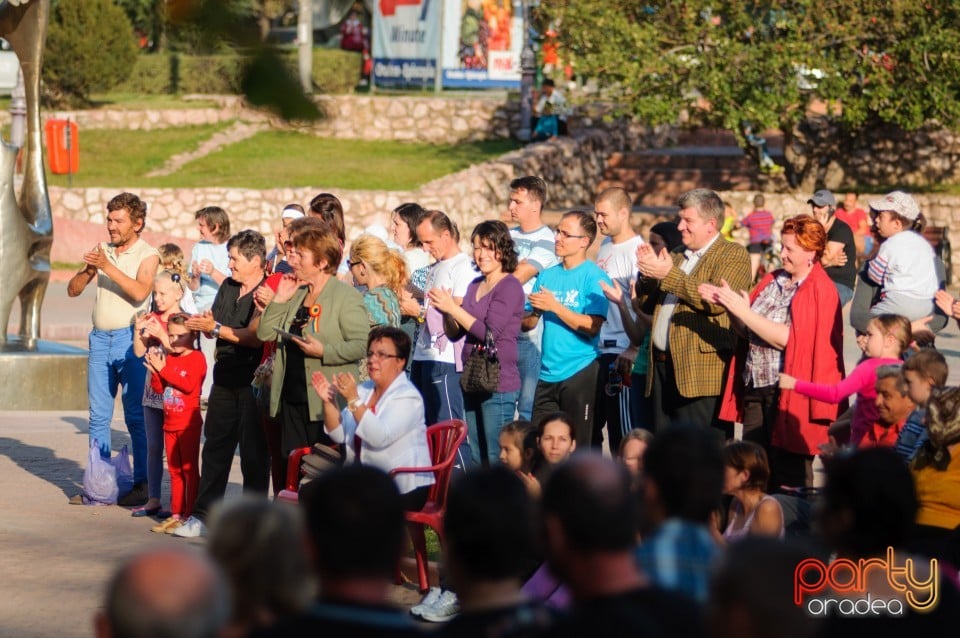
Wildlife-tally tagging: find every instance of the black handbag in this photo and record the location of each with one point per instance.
(481, 372)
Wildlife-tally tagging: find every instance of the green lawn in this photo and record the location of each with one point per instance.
(270, 159)
(120, 158)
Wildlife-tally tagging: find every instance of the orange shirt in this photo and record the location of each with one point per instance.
(880, 436)
(939, 493)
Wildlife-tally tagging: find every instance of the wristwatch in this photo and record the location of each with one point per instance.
(355, 404)
(215, 333)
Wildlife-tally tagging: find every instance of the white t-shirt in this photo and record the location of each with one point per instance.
(905, 265)
(218, 255)
(454, 274)
(619, 261)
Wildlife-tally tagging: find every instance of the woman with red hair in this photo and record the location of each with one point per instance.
(791, 323)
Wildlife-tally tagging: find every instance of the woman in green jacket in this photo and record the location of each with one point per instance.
(320, 324)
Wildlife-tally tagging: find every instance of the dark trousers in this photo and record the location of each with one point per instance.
(572, 396)
(672, 408)
(611, 407)
(759, 414)
(232, 419)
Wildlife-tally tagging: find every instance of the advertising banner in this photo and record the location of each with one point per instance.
(406, 41)
(482, 40)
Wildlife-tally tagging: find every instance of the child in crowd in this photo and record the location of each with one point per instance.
(904, 266)
(887, 338)
(632, 447)
(760, 224)
(179, 377)
(518, 446)
(922, 371)
(172, 259)
(752, 511)
(150, 330)
(556, 441)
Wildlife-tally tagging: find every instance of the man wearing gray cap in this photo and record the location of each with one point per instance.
(904, 266)
(839, 259)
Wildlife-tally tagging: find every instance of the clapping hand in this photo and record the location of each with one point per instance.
(441, 299)
(613, 293)
(544, 301)
(96, 258)
(736, 302)
(346, 385)
(946, 303)
(155, 359)
(652, 264)
(286, 288)
(262, 296)
(323, 387)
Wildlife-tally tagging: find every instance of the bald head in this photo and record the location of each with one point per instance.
(590, 497)
(165, 592)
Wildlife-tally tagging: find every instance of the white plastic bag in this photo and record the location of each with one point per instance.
(100, 478)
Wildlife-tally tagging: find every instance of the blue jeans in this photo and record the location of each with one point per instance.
(153, 420)
(439, 383)
(845, 292)
(486, 414)
(528, 362)
(111, 364)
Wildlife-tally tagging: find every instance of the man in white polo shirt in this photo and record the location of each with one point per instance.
(125, 268)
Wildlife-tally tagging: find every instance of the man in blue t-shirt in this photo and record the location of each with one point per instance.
(573, 306)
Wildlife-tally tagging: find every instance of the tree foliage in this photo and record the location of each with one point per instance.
(90, 47)
(870, 62)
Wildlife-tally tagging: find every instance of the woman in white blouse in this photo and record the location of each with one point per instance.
(383, 424)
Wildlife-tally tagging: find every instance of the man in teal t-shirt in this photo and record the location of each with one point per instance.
(573, 306)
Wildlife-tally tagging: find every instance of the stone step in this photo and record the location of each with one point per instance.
(732, 158)
(724, 137)
(641, 184)
(711, 175)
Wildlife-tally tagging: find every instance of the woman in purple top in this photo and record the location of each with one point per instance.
(492, 302)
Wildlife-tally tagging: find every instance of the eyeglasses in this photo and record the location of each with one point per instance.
(371, 355)
(564, 235)
(351, 264)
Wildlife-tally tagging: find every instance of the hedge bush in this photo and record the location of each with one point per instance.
(334, 72)
(89, 48)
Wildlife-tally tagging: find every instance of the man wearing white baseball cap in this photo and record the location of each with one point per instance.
(904, 266)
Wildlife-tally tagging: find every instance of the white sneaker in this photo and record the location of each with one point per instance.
(429, 600)
(192, 528)
(446, 607)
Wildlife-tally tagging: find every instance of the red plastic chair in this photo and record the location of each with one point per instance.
(444, 440)
(290, 493)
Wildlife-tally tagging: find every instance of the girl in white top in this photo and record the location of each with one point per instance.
(752, 512)
(904, 266)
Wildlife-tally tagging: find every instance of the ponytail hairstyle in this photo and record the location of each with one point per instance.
(376, 256)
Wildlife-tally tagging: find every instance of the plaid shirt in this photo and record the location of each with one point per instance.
(679, 555)
(764, 362)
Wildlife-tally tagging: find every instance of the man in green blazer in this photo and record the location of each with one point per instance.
(691, 341)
